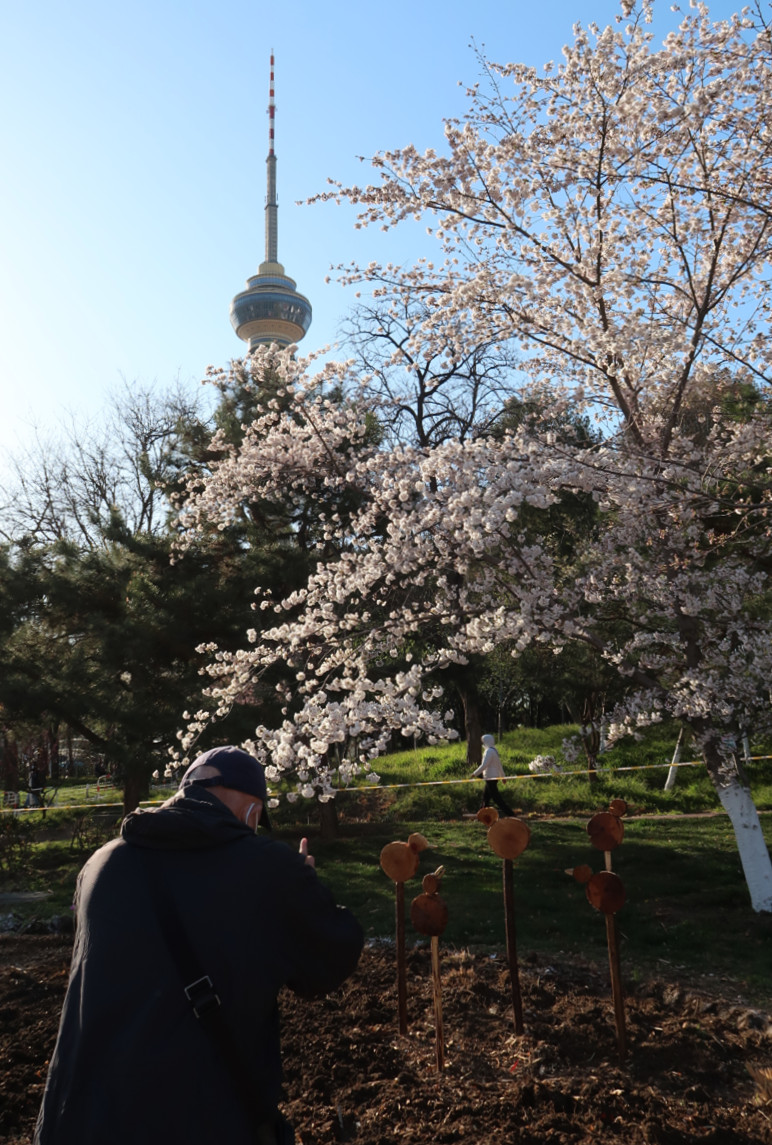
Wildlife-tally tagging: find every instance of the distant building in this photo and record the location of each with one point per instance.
(270, 309)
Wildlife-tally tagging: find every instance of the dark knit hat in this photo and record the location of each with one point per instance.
(235, 769)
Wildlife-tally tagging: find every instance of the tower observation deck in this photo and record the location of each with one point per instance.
(270, 309)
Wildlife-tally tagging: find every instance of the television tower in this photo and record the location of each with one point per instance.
(270, 309)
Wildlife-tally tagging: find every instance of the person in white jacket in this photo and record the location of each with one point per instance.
(492, 771)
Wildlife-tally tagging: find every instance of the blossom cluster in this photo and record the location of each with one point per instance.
(544, 765)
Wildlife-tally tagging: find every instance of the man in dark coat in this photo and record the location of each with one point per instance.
(190, 884)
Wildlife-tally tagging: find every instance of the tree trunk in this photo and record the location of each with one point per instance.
(328, 819)
(738, 803)
(672, 773)
(592, 773)
(590, 733)
(472, 725)
(735, 796)
(53, 757)
(591, 736)
(135, 786)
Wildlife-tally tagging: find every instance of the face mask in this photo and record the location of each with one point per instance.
(249, 812)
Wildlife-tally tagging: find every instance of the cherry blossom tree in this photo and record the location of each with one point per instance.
(609, 216)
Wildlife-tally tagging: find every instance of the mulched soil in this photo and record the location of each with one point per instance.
(352, 1077)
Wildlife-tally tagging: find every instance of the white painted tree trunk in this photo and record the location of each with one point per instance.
(754, 855)
(671, 775)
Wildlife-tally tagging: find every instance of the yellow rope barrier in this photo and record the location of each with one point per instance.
(420, 783)
(60, 807)
(535, 775)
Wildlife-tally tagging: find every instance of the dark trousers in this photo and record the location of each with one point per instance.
(491, 795)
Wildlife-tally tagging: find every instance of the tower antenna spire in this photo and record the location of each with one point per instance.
(271, 309)
(271, 201)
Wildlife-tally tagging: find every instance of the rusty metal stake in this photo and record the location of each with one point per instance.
(509, 918)
(439, 1036)
(401, 968)
(616, 984)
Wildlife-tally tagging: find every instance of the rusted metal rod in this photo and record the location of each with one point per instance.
(437, 984)
(509, 921)
(616, 984)
(401, 968)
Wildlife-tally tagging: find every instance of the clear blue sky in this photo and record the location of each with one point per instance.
(133, 141)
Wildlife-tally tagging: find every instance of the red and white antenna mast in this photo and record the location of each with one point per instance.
(271, 202)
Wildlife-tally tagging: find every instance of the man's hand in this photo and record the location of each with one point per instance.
(303, 849)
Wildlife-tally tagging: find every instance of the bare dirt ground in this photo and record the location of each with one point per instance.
(352, 1077)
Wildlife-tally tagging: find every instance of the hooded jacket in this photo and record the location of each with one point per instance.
(490, 768)
(132, 1062)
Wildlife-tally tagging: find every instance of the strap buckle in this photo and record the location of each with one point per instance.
(202, 995)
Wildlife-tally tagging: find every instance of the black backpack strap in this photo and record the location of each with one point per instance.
(200, 991)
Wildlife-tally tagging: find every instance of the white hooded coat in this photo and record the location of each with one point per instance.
(490, 768)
